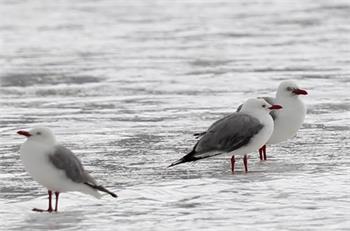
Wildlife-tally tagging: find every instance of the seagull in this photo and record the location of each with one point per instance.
(55, 166)
(287, 121)
(238, 133)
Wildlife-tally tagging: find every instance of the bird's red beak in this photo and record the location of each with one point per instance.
(24, 133)
(299, 92)
(275, 107)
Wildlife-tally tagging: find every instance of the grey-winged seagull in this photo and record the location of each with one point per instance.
(287, 121)
(239, 133)
(55, 167)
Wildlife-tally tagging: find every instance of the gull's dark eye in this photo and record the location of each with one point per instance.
(264, 105)
(289, 89)
(38, 133)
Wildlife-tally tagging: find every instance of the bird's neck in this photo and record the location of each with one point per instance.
(288, 102)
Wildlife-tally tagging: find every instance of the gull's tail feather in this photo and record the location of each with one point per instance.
(102, 189)
(194, 156)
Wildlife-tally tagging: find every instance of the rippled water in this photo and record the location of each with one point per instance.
(126, 83)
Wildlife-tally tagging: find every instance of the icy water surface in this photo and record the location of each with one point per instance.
(125, 84)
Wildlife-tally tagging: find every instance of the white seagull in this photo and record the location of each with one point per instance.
(289, 120)
(55, 167)
(239, 133)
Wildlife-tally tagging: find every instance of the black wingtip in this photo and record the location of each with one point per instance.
(187, 158)
(180, 161)
(102, 189)
(113, 194)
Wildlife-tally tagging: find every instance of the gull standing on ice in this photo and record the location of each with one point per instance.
(289, 120)
(239, 133)
(55, 167)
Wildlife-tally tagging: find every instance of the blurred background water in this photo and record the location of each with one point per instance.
(125, 84)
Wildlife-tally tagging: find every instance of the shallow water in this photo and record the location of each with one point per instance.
(125, 84)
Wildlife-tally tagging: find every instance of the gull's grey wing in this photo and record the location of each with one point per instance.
(270, 100)
(64, 159)
(229, 133)
(200, 134)
(225, 135)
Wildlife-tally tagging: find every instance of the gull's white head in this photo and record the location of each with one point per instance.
(39, 134)
(259, 105)
(289, 88)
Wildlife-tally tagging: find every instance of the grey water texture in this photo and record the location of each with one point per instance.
(125, 84)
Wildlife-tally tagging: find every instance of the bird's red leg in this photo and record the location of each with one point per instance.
(233, 160)
(50, 204)
(261, 153)
(264, 151)
(245, 161)
(56, 205)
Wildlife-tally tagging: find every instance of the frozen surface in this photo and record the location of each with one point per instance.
(126, 83)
